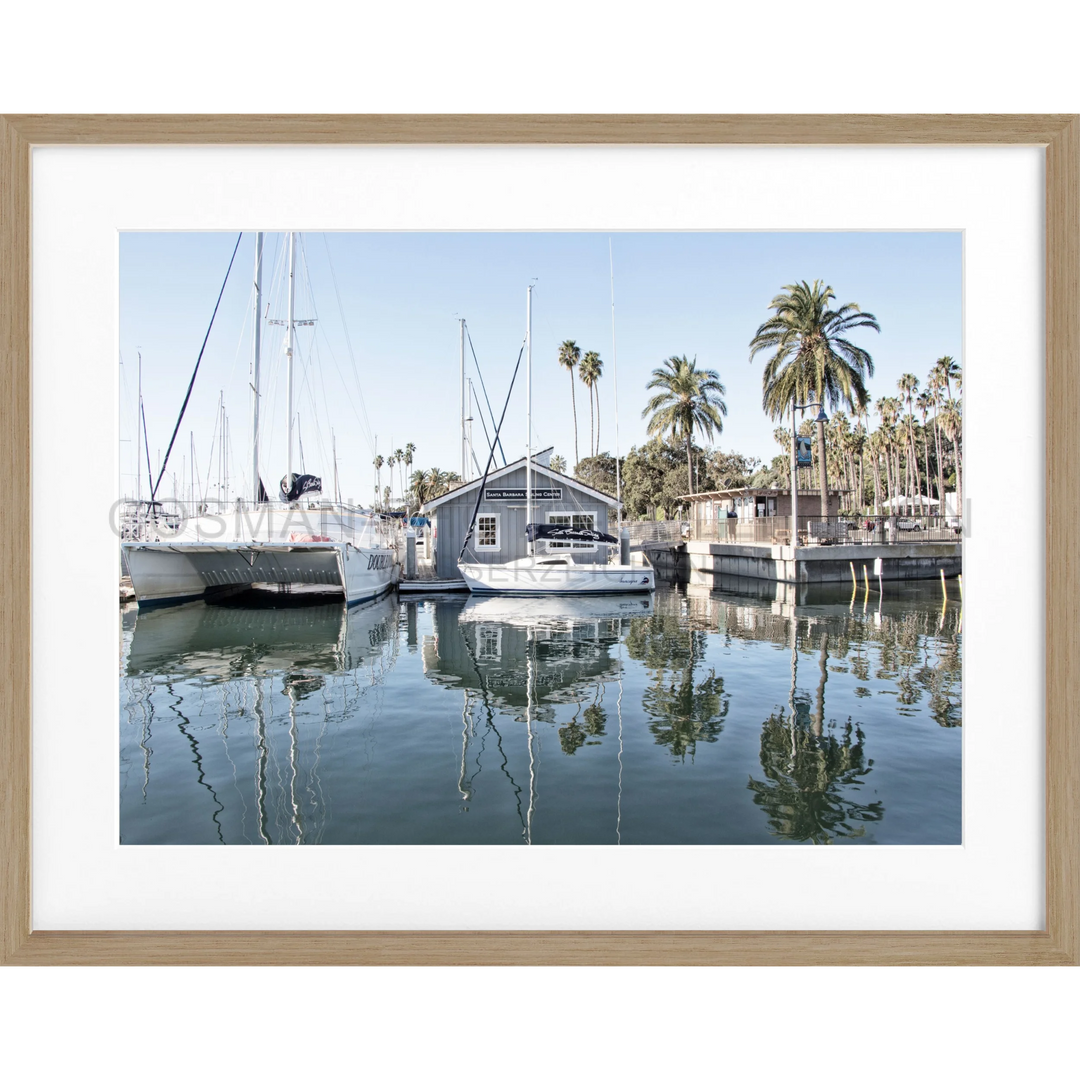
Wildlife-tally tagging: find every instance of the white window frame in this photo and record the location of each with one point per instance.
(479, 548)
(570, 545)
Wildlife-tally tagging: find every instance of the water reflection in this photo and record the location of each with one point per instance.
(815, 763)
(525, 660)
(702, 716)
(215, 666)
(686, 700)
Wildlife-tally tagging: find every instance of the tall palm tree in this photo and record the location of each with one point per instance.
(558, 463)
(410, 449)
(813, 358)
(907, 385)
(569, 357)
(688, 399)
(952, 426)
(378, 463)
(937, 384)
(589, 371)
(948, 372)
(925, 401)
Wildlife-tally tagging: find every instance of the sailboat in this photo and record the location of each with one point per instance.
(550, 572)
(304, 544)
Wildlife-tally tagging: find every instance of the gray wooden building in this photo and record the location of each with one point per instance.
(499, 534)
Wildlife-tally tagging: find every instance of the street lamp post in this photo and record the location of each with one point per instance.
(821, 418)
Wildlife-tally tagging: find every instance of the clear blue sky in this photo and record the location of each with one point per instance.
(698, 294)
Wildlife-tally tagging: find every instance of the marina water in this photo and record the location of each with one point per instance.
(692, 716)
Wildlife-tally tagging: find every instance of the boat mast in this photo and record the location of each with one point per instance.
(138, 441)
(257, 337)
(615, 378)
(461, 349)
(528, 417)
(289, 353)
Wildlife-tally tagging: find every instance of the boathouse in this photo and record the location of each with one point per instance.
(721, 514)
(499, 533)
(746, 532)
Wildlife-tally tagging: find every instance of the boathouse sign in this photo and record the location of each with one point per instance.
(539, 494)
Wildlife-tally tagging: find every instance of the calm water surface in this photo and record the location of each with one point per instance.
(692, 717)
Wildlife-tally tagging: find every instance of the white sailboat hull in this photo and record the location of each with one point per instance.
(527, 577)
(164, 573)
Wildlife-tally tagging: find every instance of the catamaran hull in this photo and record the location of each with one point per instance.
(163, 573)
(557, 580)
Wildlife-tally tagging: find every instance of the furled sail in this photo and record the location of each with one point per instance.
(567, 533)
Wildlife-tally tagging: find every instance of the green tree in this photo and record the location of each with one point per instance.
(598, 472)
(569, 358)
(654, 480)
(688, 399)
(558, 463)
(812, 358)
(729, 470)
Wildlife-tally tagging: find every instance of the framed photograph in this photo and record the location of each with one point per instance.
(1006, 894)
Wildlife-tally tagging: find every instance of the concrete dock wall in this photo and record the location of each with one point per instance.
(821, 565)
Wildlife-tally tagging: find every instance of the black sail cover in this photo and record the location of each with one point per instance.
(302, 484)
(567, 534)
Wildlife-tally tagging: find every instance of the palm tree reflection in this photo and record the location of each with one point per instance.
(689, 706)
(813, 767)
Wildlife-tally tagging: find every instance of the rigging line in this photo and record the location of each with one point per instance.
(491, 457)
(615, 381)
(491, 412)
(191, 385)
(348, 344)
(487, 438)
(146, 442)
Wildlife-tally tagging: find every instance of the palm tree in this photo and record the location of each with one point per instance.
(558, 463)
(378, 463)
(589, 371)
(569, 356)
(925, 401)
(952, 425)
(814, 360)
(948, 372)
(936, 386)
(688, 399)
(420, 485)
(907, 385)
(410, 449)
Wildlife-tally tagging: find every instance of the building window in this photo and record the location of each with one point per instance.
(488, 642)
(487, 533)
(575, 521)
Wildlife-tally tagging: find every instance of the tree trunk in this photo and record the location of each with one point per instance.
(689, 465)
(573, 403)
(914, 459)
(877, 484)
(926, 462)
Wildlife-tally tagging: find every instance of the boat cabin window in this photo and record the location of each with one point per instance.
(575, 521)
(486, 537)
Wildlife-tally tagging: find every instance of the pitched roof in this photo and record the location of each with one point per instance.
(542, 470)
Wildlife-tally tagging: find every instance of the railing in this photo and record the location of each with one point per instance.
(815, 530)
(654, 532)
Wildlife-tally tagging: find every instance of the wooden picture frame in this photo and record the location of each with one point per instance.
(1059, 943)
